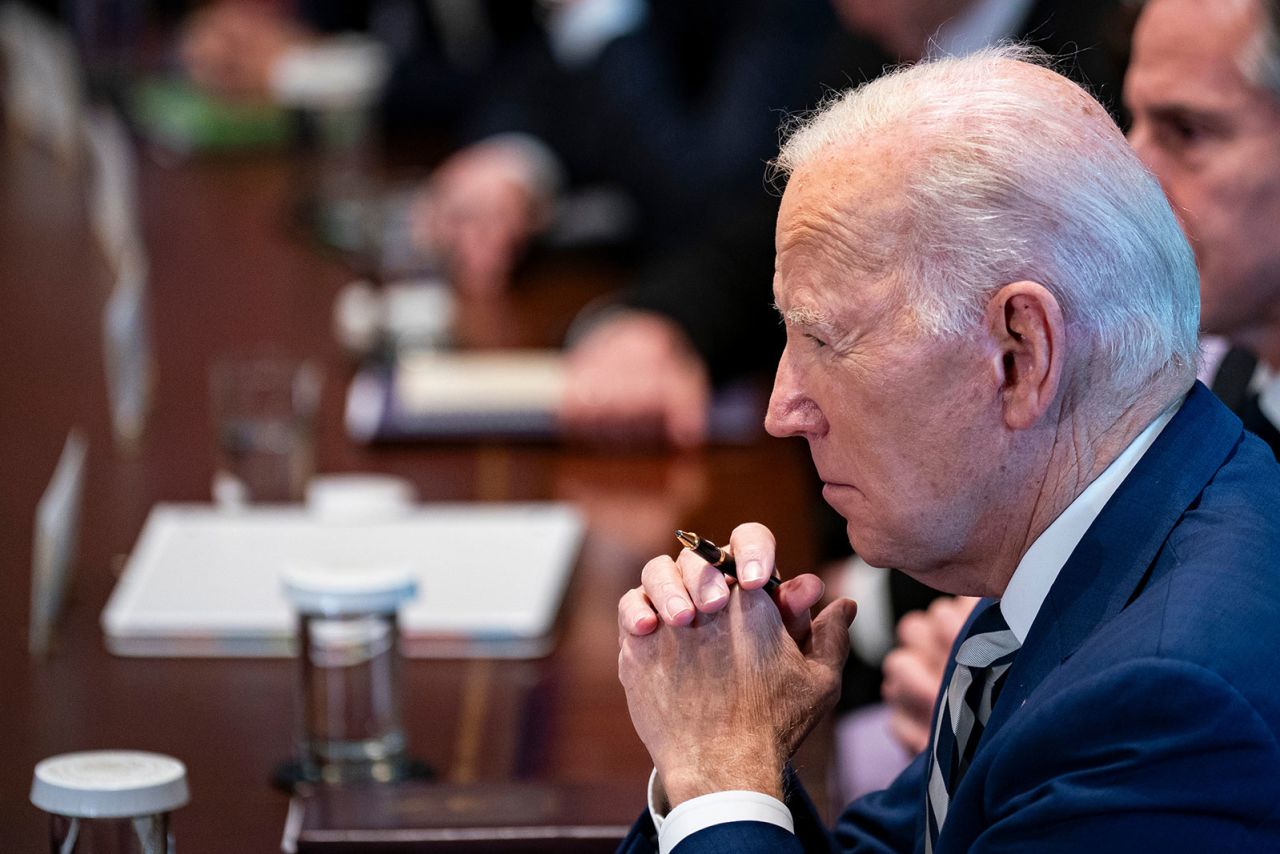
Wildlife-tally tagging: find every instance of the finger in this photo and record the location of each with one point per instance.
(753, 548)
(829, 638)
(635, 614)
(708, 585)
(796, 598)
(665, 588)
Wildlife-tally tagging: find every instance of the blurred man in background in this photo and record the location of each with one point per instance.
(1204, 89)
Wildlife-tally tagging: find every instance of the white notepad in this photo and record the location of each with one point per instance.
(205, 582)
(507, 393)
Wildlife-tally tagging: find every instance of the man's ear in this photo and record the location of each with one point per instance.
(1025, 322)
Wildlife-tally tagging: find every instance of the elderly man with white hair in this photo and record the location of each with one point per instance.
(991, 321)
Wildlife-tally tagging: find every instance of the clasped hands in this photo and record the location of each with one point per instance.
(723, 683)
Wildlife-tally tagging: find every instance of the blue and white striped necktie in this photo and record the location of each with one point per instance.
(982, 662)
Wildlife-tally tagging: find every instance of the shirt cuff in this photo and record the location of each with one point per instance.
(699, 813)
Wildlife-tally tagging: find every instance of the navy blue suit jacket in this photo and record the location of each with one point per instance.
(1142, 713)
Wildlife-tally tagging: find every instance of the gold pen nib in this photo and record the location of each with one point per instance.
(690, 541)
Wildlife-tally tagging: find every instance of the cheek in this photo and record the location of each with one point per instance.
(1231, 225)
(1232, 202)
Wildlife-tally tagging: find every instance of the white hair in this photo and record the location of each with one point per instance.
(1020, 176)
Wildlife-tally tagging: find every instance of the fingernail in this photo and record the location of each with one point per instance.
(676, 606)
(752, 570)
(713, 592)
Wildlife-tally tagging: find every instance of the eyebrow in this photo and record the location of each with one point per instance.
(801, 315)
(1167, 111)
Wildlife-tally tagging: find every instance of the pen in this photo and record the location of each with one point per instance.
(717, 557)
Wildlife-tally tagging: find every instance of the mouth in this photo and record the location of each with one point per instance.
(830, 488)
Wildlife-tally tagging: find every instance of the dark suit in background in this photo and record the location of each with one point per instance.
(1231, 385)
(442, 54)
(677, 114)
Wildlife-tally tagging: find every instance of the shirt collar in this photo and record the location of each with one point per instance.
(983, 24)
(1041, 564)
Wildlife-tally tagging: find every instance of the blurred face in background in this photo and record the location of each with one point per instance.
(1212, 136)
(901, 27)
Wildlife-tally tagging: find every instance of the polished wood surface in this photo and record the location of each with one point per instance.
(229, 273)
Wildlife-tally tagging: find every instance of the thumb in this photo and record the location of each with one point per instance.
(829, 637)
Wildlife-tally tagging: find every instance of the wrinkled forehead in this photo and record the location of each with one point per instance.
(848, 203)
(840, 240)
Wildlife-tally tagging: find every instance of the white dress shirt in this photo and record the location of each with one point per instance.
(1020, 604)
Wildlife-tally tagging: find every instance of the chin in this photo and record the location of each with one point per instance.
(869, 549)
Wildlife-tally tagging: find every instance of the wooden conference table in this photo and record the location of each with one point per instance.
(229, 274)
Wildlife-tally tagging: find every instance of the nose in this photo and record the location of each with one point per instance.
(1140, 140)
(791, 411)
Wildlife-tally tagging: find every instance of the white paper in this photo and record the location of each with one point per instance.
(483, 382)
(202, 582)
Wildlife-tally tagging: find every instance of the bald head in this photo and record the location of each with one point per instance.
(1011, 172)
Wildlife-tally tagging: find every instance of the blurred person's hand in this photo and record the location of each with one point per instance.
(231, 47)
(479, 211)
(913, 669)
(636, 378)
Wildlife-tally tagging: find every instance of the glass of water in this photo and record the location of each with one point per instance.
(110, 801)
(348, 684)
(264, 411)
